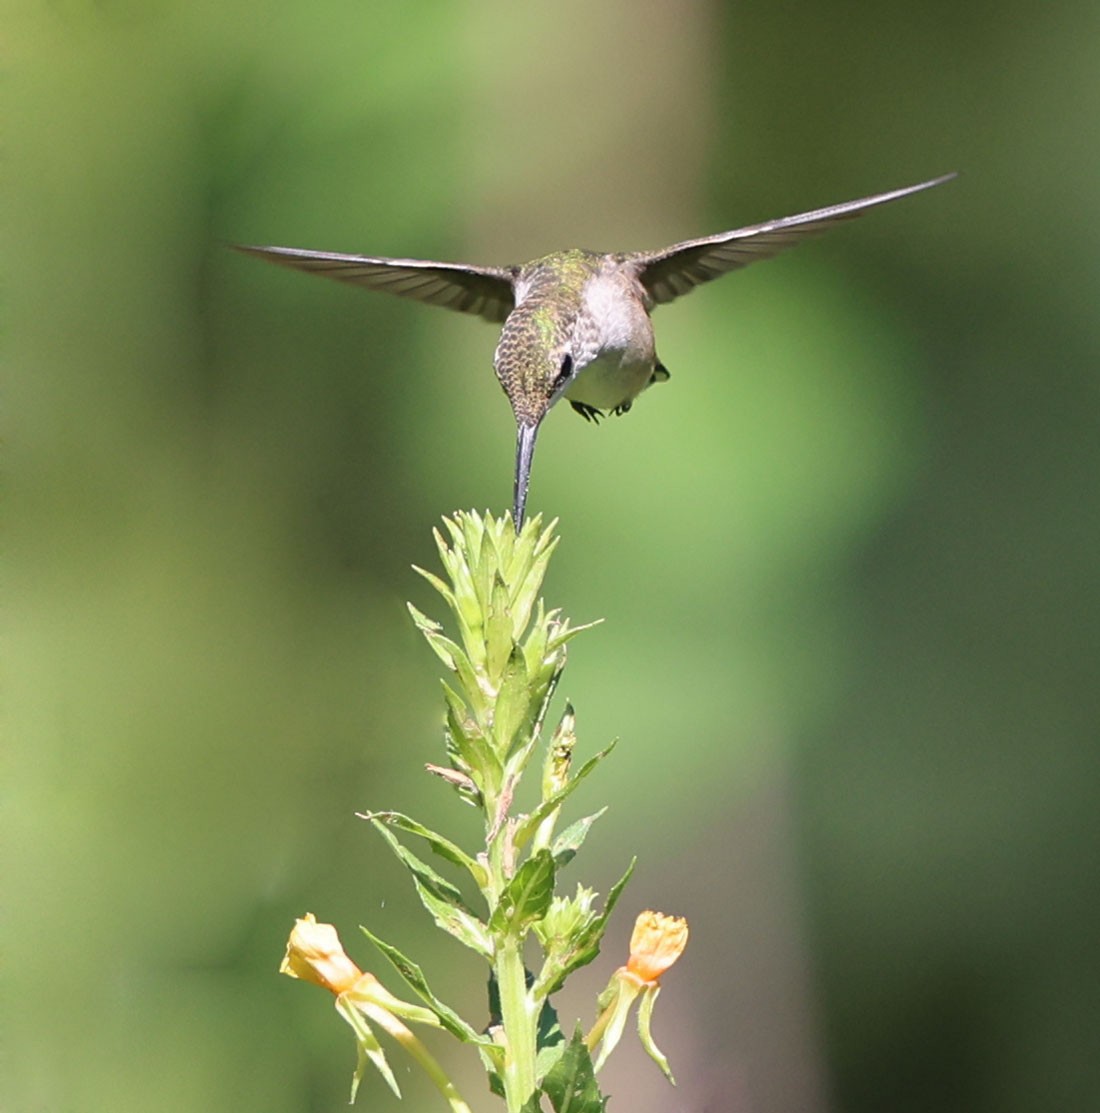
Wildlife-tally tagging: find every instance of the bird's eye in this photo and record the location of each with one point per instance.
(565, 372)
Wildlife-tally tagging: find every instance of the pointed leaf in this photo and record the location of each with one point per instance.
(513, 702)
(448, 651)
(527, 895)
(571, 1083)
(445, 903)
(549, 1033)
(442, 846)
(438, 584)
(431, 629)
(566, 633)
(498, 632)
(534, 648)
(456, 706)
(567, 844)
(527, 590)
(467, 608)
(468, 747)
(414, 976)
(530, 824)
(483, 565)
(453, 657)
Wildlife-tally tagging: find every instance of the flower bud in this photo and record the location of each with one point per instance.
(657, 942)
(314, 954)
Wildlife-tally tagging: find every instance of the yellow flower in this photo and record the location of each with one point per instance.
(314, 954)
(657, 942)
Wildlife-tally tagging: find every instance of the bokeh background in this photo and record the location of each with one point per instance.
(847, 556)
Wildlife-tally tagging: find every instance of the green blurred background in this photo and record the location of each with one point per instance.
(846, 556)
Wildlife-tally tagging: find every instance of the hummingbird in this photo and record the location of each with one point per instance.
(576, 323)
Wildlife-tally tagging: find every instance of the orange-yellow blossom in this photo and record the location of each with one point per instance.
(656, 943)
(314, 954)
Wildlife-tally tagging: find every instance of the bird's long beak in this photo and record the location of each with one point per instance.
(525, 451)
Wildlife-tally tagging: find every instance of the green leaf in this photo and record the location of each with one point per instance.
(530, 824)
(445, 903)
(431, 630)
(457, 707)
(468, 747)
(449, 652)
(526, 590)
(566, 845)
(439, 586)
(534, 648)
(414, 976)
(550, 683)
(513, 702)
(526, 897)
(498, 632)
(571, 1083)
(566, 633)
(471, 746)
(483, 564)
(442, 846)
(467, 608)
(549, 1033)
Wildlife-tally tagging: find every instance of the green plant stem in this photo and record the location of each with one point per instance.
(519, 1020)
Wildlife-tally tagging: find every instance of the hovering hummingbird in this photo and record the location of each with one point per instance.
(576, 323)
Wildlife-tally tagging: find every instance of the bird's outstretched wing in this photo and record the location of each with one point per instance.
(484, 291)
(675, 270)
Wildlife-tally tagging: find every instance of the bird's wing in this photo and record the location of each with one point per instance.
(484, 291)
(675, 270)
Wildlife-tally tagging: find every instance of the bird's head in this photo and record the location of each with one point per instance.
(535, 365)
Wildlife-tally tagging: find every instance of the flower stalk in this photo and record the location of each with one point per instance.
(504, 663)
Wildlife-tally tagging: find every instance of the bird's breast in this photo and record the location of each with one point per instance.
(613, 342)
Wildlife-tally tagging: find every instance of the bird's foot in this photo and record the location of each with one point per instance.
(589, 413)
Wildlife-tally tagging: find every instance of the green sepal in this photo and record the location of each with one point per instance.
(416, 981)
(585, 947)
(445, 903)
(614, 1004)
(645, 1017)
(367, 1048)
(526, 897)
(566, 845)
(571, 1083)
(442, 846)
(531, 822)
